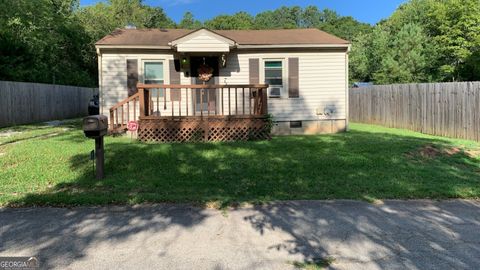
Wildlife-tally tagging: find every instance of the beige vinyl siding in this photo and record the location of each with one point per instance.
(322, 83)
(203, 42)
(114, 77)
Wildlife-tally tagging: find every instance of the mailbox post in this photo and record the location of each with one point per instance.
(95, 127)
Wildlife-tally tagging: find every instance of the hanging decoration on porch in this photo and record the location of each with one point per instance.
(205, 72)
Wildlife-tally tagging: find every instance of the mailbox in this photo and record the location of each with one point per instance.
(95, 126)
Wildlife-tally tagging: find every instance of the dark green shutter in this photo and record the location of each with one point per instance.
(132, 76)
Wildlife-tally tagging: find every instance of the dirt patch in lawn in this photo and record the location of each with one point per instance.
(473, 153)
(431, 151)
(9, 133)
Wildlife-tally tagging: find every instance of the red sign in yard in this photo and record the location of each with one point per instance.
(132, 125)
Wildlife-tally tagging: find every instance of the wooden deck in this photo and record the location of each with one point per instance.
(181, 113)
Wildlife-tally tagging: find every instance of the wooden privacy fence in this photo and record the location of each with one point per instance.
(443, 109)
(23, 103)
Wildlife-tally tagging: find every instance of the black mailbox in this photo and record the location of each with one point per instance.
(95, 126)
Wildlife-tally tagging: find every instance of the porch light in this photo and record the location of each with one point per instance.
(223, 60)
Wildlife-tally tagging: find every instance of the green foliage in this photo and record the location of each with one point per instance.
(407, 62)
(424, 40)
(41, 41)
(360, 64)
(102, 18)
(240, 21)
(189, 22)
(281, 18)
(315, 264)
(270, 123)
(52, 41)
(288, 18)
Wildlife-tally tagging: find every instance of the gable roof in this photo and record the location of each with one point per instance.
(162, 37)
(202, 40)
(201, 31)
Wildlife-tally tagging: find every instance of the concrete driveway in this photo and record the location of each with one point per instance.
(357, 235)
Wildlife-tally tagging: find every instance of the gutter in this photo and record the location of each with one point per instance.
(276, 46)
(100, 80)
(133, 47)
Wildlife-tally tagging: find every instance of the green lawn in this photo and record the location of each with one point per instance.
(51, 166)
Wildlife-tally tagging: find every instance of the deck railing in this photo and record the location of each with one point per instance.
(123, 112)
(180, 101)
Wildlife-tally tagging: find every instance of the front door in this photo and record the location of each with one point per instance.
(205, 99)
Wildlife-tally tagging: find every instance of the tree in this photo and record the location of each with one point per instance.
(454, 30)
(286, 18)
(311, 17)
(155, 17)
(102, 18)
(406, 61)
(238, 21)
(281, 18)
(42, 41)
(189, 22)
(428, 40)
(344, 27)
(360, 70)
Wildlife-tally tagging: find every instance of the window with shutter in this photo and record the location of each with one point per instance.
(293, 89)
(274, 77)
(153, 74)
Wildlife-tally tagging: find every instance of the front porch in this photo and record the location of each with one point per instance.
(182, 113)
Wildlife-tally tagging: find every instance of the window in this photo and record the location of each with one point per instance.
(274, 77)
(295, 124)
(153, 74)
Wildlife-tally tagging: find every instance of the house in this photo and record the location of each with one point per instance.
(181, 83)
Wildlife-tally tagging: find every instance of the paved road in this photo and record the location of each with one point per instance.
(358, 235)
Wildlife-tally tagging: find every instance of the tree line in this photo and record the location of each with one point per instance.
(52, 41)
(423, 41)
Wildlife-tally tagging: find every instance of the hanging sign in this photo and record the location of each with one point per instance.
(132, 125)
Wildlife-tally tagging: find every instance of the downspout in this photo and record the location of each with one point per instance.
(100, 82)
(347, 90)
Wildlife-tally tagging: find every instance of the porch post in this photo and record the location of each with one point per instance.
(143, 105)
(112, 123)
(264, 101)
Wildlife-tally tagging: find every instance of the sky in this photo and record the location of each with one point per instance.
(369, 11)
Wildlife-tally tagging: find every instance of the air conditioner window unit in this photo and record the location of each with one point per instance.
(275, 92)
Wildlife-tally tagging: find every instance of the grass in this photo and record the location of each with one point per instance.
(26, 132)
(50, 166)
(316, 264)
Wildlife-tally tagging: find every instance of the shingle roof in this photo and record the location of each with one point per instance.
(281, 36)
(161, 37)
